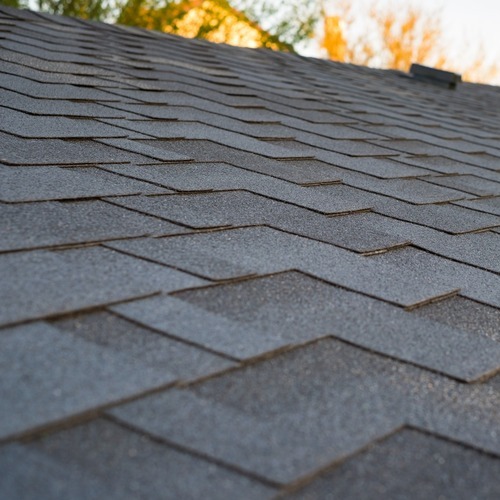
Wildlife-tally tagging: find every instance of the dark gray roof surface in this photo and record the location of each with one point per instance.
(234, 273)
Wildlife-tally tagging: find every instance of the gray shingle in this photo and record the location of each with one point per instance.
(28, 67)
(53, 90)
(410, 463)
(474, 283)
(300, 171)
(237, 208)
(468, 184)
(193, 130)
(53, 66)
(257, 130)
(477, 249)
(158, 352)
(488, 205)
(423, 148)
(55, 127)
(279, 447)
(17, 151)
(229, 254)
(61, 375)
(446, 165)
(360, 148)
(464, 314)
(53, 183)
(301, 154)
(303, 410)
(145, 150)
(385, 168)
(43, 283)
(104, 460)
(33, 225)
(484, 160)
(57, 107)
(218, 176)
(410, 190)
(447, 217)
(250, 318)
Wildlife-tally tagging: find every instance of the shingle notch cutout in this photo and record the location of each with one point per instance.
(437, 76)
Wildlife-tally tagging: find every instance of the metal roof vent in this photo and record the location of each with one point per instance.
(436, 76)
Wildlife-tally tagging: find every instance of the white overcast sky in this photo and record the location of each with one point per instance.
(473, 21)
(478, 21)
(466, 23)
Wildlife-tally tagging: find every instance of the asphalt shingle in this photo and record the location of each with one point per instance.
(250, 318)
(18, 151)
(235, 253)
(409, 463)
(488, 205)
(102, 459)
(465, 314)
(239, 208)
(474, 283)
(52, 127)
(219, 176)
(447, 217)
(235, 273)
(329, 397)
(88, 375)
(44, 224)
(53, 183)
(79, 279)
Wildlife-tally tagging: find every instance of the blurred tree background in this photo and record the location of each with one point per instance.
(387, 38)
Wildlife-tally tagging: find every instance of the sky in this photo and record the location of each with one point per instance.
(478, 21)
(466, 23)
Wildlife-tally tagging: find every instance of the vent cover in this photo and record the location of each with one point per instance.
(436, 76)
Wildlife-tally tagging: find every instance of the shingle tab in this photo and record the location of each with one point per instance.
(468, 184)
(235, 253)
(56, 107)
(43, 283)
(143, 149)
(61, 375)
(464, 314)
(247, 319)
(446, 217)
(34, 225)
(488, 205)
(238, 208)
(102, 459)
(329, 397)
(393, 466)
(52, 183)
(18, 151)
(38, 127)
(155, 351)
(218, 176)
(476, 284)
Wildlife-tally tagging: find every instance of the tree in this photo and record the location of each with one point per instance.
(334, 40)
(396, 39)
(390, 39)
(214, 20)
(85, 9)
(292, 22)
(18, 4)
(280, 26)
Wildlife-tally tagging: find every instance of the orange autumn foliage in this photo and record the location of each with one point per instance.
(395, 40)
(214, 20)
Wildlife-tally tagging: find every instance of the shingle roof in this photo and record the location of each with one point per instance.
(234, 273)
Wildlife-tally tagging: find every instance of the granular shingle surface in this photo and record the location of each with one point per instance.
(234, 273)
